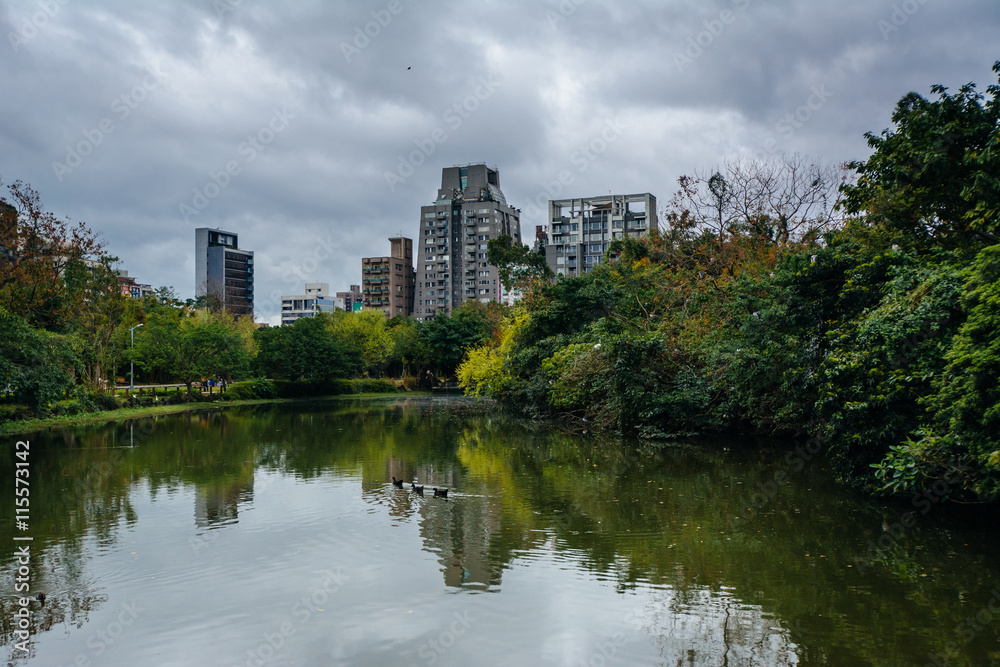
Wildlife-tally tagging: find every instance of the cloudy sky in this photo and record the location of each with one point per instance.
(316, 130)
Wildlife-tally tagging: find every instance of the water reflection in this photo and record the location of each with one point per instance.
(219, 504)
(704, 627)
(586, 547)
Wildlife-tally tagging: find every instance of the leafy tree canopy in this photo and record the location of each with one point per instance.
(934, 179)
(518, 266)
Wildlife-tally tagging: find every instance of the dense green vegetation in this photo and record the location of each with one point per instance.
(66, 334)
(74, 370)
(860, 307)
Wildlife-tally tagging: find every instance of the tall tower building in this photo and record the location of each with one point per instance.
(387, 282)
(469, 210)
(223, 270)
(580, 230)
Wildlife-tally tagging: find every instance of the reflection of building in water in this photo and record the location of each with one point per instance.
(461, 530)
(705, 627)
(218, 503)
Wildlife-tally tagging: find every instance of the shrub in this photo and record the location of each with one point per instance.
(14, 412)
(368, 386)
(300, 389)
(251, 389)
(69, 407)
(173, 399)
(103, 401)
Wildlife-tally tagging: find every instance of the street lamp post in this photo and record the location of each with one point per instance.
(131, 364)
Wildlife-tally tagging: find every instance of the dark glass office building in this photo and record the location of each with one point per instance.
(223, 270)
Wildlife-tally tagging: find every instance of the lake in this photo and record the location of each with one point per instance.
(272, 535)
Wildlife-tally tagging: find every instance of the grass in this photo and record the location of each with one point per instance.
(33, 425)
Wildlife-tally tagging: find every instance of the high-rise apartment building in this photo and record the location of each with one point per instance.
(387, 282)
(580, 230)
(470, 209)
(223, 270)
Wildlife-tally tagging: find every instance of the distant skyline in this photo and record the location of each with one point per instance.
(317, 130)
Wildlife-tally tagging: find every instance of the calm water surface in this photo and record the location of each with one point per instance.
(272, 535)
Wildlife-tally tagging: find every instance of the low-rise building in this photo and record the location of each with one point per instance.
(316, 299)
(351, 300)
(130, 289)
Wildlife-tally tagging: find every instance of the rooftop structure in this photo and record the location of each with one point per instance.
(580, 230)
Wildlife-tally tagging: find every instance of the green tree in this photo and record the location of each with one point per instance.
(366, 338)
(518, 266)
(37, 366)
(449, 338)
(410, 352)
(934, 179)
(189, 348)
(306, 350)
(101, 325)
(966, 405)
(37, 252)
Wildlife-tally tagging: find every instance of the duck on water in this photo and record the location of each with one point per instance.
(438, 493)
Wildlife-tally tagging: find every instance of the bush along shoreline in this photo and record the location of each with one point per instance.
(99, 407)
